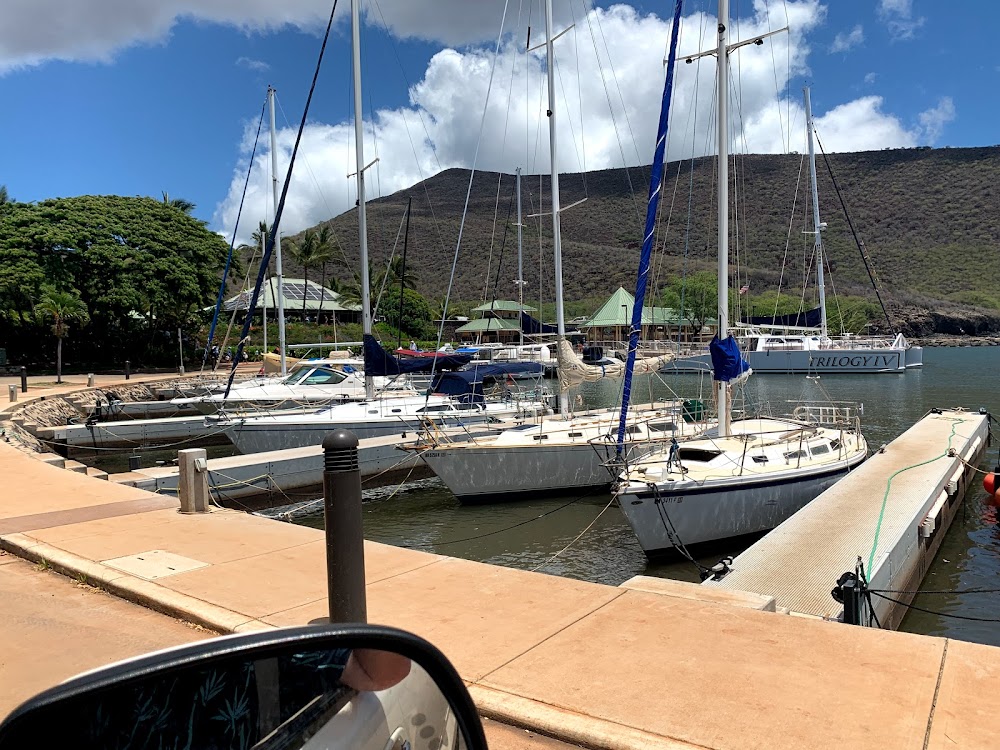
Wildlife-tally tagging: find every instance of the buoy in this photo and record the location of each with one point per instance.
(990, 484)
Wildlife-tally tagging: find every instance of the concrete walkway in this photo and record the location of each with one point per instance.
(596, 665)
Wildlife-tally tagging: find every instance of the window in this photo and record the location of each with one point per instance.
(759, 459)
(633, 429)
(540, 437)
(819, 450)
(575, 434)
(662, 426)
(442, 407)
(835, 444)
(697, 454)
(324, 377)
(796, 454)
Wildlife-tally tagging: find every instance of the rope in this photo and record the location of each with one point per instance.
(937, 591)
(578, 537)
(888, 488)
(932, 612)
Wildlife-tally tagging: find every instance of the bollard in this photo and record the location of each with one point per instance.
(192, 482)
(134, 461)
(24, 379)
(345, 550)
(852, 603)
(12, 391)
(90, 380)
(128, 372)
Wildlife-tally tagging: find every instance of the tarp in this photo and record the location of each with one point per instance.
(808, 319)
(532, 326)
(380, 362)
(467, 385)
(727, 362)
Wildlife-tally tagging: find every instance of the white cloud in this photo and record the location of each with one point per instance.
(899, 19)
(861, 125)
(934, 119)
(870, 78)
(843, 42)
(250, 64)
(449, 99)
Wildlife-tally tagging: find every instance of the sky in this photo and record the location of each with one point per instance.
(142, 97)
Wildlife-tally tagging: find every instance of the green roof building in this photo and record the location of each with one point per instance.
(318, 300)
(499, 320)
(613, 320)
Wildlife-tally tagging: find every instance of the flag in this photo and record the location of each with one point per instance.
(744, 289)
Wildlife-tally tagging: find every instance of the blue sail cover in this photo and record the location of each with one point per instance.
(467, 385)
(380, 362)
(808, 319)
(727, 362)
(655, 190)
(530, 325)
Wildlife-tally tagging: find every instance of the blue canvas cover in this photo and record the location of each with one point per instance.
(533, 326)
(467, 385)
(727, 362)
(380, 362)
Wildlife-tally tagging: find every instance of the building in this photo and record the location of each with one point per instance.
(321, 303)
(499, 320)
(610, 325)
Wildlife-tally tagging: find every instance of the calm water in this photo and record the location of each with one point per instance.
(529, 534)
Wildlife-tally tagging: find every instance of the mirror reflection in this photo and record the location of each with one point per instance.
(280, 698)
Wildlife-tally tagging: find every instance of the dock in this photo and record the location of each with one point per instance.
(892, 513)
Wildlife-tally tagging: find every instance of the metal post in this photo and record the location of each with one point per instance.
(276, 189)
(722, 394)
(12, 391)
(24, 379)
(90, 380)
(852, 602)
(817, 224)
(128, 369)
(345, 550)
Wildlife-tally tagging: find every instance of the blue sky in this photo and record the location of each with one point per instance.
(165, 103)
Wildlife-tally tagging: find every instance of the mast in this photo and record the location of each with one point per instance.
(817, 225)
(723, 128)
(277, 238)
(554, 170)
(520, 253)
(359, 150)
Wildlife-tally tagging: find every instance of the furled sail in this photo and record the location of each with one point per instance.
(573, 370)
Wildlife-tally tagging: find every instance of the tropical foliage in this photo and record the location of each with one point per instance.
(140, 267)
(61, 307)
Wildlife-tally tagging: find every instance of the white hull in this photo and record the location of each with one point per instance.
(824, 361)
(722, 509)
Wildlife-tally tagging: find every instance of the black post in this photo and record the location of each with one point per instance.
(24, 379)
(128, 369)
(345, 550)
(852, 602)
(134, 462)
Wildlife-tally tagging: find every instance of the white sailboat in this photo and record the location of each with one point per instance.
(568, 452)
(780, 348)
(747, 475)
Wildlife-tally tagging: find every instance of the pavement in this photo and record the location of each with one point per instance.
(600, 666)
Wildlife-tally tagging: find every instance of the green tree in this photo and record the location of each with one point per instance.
(4, 196)
(310, 252)
(61, 307)
(417, 314)
(700, 298)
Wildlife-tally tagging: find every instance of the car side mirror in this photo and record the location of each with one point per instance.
(321, 687)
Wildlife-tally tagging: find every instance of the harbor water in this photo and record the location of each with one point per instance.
(586, 537)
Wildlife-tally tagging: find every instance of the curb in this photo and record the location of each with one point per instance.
(137, 590)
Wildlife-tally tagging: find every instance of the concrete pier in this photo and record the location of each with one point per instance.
(607, 667)
(892, 512)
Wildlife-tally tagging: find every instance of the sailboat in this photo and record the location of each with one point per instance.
(374, 416)
(747, 475)
(802, 342)
(569, 452)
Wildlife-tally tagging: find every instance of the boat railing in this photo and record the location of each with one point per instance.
(829, 413)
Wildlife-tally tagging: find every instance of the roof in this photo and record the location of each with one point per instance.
(482, 325)
(317, 297)
(503, 305)
(617, 312)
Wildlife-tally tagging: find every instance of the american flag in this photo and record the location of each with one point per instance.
(744, 289)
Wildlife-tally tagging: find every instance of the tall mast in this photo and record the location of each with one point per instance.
(359, 150)
(723, 128)
(817, 225)
(554, 170)
(277, 239)
(520, 253)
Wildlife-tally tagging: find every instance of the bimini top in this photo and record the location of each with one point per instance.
(380, 362)
(467, 385)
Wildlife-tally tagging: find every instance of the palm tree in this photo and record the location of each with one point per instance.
(180, 204)
(396, 272)
(61, 307)
(312, 250)
(4, 196)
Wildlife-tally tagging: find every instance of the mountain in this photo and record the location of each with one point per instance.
(928, 218)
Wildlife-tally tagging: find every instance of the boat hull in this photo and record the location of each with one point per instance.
(829, 361)
(721, 510)
(487, 474)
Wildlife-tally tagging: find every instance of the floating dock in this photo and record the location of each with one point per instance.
(268, 476)
(892, 513)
